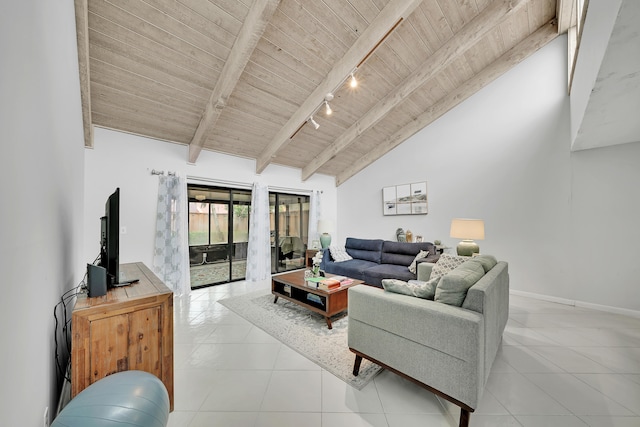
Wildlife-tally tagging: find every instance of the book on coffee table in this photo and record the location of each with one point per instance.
(327, 284)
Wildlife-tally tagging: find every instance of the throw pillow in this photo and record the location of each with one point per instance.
(446, 263)
(414, 288)
(487, 261)
(453, 286)
(339, 253)
(421, 254)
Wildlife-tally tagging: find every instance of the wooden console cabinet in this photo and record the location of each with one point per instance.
(129, 328)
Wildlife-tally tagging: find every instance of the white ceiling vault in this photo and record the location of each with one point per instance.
(243, 77)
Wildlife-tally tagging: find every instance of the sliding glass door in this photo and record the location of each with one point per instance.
(218, 234)
(289, 216)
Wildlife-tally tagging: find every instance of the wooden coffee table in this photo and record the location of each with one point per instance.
(292, 287)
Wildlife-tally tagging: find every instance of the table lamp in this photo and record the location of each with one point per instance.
(467, 230)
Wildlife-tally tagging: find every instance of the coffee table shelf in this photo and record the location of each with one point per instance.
(292, 287)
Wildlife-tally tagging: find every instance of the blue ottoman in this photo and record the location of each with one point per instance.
(129, 398)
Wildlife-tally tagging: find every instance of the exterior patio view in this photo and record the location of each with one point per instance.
(219, 233)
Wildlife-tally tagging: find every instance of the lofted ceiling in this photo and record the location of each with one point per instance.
(243, 77)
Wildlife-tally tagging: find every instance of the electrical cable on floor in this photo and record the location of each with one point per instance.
(65, 331)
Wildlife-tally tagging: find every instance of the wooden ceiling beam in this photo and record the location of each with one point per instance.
(388, 17)
(252, 29)
(82, 38)
(521, 51)
(465, 39)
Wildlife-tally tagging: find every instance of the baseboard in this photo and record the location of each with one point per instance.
(575, 303)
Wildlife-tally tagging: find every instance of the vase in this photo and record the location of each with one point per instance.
(325, 240)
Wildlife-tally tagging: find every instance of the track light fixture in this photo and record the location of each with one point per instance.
(328, 97)
(328, 109)
(314, 123)
(353, 83)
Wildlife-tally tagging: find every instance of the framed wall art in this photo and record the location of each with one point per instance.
(405, 199)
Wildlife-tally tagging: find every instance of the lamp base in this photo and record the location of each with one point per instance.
(325, 240)
(468, 248)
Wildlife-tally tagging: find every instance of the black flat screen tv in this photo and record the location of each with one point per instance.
(110, 238)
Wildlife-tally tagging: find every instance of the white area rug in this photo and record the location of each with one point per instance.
(305, 332)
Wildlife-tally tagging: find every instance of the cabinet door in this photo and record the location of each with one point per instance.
(109, 346)
(130, 341)
(145, 351)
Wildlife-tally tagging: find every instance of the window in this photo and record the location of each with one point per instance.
(572, 14)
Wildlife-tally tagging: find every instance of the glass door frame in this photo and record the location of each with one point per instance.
(230, 202)
(299, 245)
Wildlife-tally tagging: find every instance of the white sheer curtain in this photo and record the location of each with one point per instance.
(259, 248)
(314, 215)
(171, 258)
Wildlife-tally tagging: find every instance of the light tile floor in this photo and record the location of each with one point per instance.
(558, 366)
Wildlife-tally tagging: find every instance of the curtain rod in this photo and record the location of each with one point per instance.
(237, 184)
(155, 172)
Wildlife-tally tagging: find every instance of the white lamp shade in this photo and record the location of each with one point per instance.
(325, 226)
(467, 229)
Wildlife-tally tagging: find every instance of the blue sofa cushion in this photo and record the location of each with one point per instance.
(403, 253)
(365, 249)
(352, 268)
(375, 274)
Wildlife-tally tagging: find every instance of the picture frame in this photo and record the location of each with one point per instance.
(405, 199)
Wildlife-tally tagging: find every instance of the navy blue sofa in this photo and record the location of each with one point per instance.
(374, 260)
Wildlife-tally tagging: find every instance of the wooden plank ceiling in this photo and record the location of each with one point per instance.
(243, 77)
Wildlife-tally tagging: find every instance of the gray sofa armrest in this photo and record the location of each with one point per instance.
(424, 270)
(490, 296)
(440, 345)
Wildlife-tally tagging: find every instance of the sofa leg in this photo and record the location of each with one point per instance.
(464, 417)
(356, 365)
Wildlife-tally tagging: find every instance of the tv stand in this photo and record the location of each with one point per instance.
(125, 283)
(129, 328)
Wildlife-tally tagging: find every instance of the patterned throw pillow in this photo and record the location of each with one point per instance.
(414, 288)
(421, 254)
(445, 264)
(339, 253)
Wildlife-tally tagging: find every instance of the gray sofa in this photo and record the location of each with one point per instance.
(374, 260)
(447, 349)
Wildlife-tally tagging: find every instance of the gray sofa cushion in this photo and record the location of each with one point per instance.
(453, 286)
(487, 261)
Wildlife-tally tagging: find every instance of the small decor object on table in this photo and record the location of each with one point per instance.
(317, 259)
(400, 236)
(409, 235)
(418, 239)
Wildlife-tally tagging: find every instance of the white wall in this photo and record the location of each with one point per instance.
(41, 171)
(504, 156)
(125, 161)
(605, 235)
